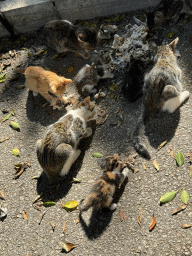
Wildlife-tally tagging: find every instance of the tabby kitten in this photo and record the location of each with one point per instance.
(162, 90)
(63, 36)
(88, 77)
(57, 151)
(167, 10)
(48, 84)
(101, 195)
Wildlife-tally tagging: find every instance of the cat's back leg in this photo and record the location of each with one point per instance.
(172, 99)
(39, 146)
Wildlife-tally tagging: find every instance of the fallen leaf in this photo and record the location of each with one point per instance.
(9, 115)
(184, 196)
(114, 87)
(77, 220)
(49, 203)
(27, 254)
(191, 171)
(122, 215)
(20, 168)
(64, 226)
(181, 207)
(152, 223)
(37, 207)
(97, 154)
(40, 53)
(172, 153)
(41, 217)
(70, 69)
(2, 195)
(35, 177)
(3, 78)
(186, 225)
(162, 144)
(75, 180)
(142, 18)
(29, 55)
(144, 167)
(119, 18)
(136, 170)
(140, 217)
(3, 212)
(16, 152)
(155, 164)
(21, 86)
(168, 197)
(25, 215)
(170, 35)
(107, 20)
(70, 205)
(179, 158)
(68, 246)
(37, 198)
(15, 125)
(52, 225)
(4, 139)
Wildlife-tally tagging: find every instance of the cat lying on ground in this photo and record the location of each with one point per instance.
(57, 151)
(162, 90)
(63, 36)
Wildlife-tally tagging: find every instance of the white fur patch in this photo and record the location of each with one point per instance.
(172, 104)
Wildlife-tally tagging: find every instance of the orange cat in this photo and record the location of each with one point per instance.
(48, 84)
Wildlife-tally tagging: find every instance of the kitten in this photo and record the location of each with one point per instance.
(104, 59)
(167, 10)
(88, 77)
(162, 90)
(101, 195)
(57, 151)
(48, 84)
(133, 79)
(63, 36)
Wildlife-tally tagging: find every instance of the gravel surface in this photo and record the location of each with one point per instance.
(103, 233)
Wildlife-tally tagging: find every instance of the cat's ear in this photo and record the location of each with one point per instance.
(173, 44)
(81, 38)
(67, 81)
(87, 100)
(154, 47)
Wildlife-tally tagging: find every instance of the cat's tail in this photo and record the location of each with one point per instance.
(137, 142)
(89, 202)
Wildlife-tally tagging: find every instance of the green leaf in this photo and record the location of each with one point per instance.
(142, 18)
(70, 69)
(15, 125)
(119, 18)
(75, 180)
(49, 203)
(170, 35)
(18, 165)
(179, 158)
(29, 55)
(15, 151)
(168, 197)
(107, 20)
(10, 52)
(2, 76)
(114, 87)
(9, 115)
(184, 196)
(97, 154)
(70, 205)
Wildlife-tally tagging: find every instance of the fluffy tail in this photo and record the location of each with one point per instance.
(84, 207)
(138, 145)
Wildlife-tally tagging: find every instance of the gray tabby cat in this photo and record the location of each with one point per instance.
(88, 77)
(63, 36)
(162, 90)
(57, 151)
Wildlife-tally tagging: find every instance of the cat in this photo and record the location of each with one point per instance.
(48, 84)
(101, 195)
(88, 77)
(103, 59)
(167, 10)
(133, 79)
(57, 151)
(162, 90)
(63, 36)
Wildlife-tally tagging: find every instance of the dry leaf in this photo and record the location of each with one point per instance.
(140, 217)
(52, 225)
(70, 69)
(2, 195)
(181, 207)
(186, 225)
(136, 170)
(3, 212)
(4, 139)
(41, 217)
(144, 167)
(64, 226)
(191, 171)
(68, 246)
(77, 220)
(122, 215)
(162, 144)
(20, 168)
(152, 223)
(37, 198)
(27, 254)
(36, 207)
(172, 153)
(155, 164)
(25, 215)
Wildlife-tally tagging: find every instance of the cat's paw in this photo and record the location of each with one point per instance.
(35, 94)
(113, 207)
(185, 95)
(125, 172)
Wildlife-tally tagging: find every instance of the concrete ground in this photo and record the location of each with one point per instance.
(103, 233)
